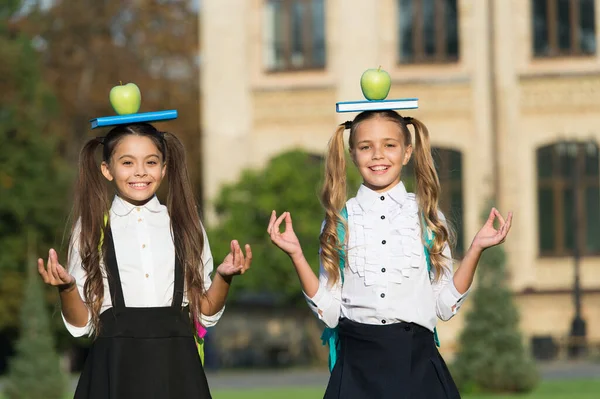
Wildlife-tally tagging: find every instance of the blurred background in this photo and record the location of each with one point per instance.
(510, 92)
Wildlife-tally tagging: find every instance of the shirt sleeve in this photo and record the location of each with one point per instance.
(447, 298)
(208, 267)
(326, 303)
(74, 267)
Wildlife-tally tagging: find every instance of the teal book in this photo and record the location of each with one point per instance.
(149, 117)
(377, 105)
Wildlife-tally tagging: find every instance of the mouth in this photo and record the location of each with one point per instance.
(139, 185)
(379, 169)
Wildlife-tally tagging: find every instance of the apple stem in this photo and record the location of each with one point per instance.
(378, 69)
(120, 82)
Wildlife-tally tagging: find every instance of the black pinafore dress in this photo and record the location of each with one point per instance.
(143, 352)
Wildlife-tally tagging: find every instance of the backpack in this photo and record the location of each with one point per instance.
(330, 335)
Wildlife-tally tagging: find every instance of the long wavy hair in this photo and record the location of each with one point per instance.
(92, 203)
(334, 190)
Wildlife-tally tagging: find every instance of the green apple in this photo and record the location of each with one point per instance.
(125, 99)
(375, 84)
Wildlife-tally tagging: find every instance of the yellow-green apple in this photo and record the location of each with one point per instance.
(375, 84)
(125, 99)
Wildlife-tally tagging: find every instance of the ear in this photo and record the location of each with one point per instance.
(407, 154)
(106, 171)
(164, 171)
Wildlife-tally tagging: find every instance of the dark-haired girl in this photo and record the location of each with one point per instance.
(138, 271)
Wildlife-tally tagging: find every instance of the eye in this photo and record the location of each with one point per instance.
(152, 163)
(127, 163)
(390, 145)
(364, 147)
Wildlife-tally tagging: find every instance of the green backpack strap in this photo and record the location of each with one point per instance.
(330, 335)
(429, 236)
(102, 233)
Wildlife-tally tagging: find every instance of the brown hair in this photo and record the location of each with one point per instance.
(92, 203)
(334, 196)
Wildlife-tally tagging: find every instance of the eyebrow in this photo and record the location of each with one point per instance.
(384, 139)
(131, 156)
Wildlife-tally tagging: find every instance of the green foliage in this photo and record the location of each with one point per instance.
(492, 357)
(290, 182)
(33, 180)
(35, 370)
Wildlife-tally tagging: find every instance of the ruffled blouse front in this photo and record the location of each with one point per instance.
(386, 279)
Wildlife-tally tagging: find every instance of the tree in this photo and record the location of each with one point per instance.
(492, 357)
(35, 370)
(33, 180)
(88, 46)
(289, 182)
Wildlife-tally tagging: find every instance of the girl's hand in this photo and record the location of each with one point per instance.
(287, 240)
(235, 263)
(54, 274)
(488, 236)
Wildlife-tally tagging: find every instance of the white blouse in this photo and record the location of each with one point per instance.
(385, 278)
(146, 259)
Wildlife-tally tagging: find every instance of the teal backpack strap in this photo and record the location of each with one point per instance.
(428, 236)
(330, 335)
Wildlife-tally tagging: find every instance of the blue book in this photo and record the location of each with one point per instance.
(115, 120)
(376, 105)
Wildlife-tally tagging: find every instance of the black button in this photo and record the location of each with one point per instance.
(383, 242)
(383, 270)
(382, 295)
(382, 198)
(383, 321)
(407, 328)
(382, 217)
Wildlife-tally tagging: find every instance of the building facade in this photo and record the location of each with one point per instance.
(509, 89)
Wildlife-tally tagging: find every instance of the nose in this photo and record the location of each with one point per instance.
(377, 152)
(140, 171)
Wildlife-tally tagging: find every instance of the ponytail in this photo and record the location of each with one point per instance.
(188, 236)
(427, 193)
(333, 199)
(91, 204)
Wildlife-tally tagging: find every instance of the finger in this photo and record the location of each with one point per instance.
(271, 221)
(491, 217)
(42, 270)
(499, 216)
(288, 221)
(233, 252)
(248, 256)
(239, 256)
(62, 274)
(507, 225)
(278, 221)
(53, 264)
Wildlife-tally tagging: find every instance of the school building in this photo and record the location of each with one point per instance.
(510, 91)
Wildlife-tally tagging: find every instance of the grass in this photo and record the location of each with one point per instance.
(569, 389)
(572, 389)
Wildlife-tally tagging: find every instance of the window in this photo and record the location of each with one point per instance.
(563, 27)
(559, 167)
(294, 35)
(448, 164)
(428, 31)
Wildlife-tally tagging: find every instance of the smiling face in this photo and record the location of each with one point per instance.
(379, 151)
(137, 168)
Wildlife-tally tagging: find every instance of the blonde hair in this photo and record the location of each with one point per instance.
(334, 196)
